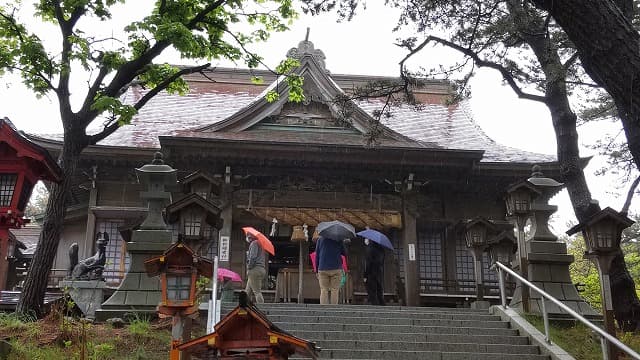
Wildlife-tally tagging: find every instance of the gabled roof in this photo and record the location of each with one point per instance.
(319, 88)
(232, 109)
(40, 161)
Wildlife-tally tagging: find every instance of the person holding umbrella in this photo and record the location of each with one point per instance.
(375, 244)
(373, 272)
(329, 254)
(256, 269)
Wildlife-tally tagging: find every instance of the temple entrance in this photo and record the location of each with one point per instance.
(283, 273)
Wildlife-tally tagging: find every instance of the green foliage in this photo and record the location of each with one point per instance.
(38, 201)
(197, 29)
(101, 351)
(32, 351)
(11, 321)
(584, 273)
(139, 327)
(575, 339)
(287, 68)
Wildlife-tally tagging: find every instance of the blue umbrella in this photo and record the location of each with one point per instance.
(376, 236)
(336, 230)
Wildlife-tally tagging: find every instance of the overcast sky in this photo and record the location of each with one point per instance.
(363, 46)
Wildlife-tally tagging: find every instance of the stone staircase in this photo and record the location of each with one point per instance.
(409, 333)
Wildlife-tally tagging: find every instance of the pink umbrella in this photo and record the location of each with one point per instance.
(228, 274)
(315, 268)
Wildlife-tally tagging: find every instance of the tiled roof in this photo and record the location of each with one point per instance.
(433, 125)
(28, 236)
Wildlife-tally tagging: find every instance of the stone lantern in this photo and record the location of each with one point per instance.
(602, 234)
(156, 177)
(544, 260)
(137, 293)
(22, 165)
(476, 236)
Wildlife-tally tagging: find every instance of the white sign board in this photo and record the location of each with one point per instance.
(224, 248)
(412, 252)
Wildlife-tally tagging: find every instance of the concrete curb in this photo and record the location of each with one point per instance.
(537, 338)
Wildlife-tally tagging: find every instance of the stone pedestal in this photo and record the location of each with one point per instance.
(138, 293)
(87, 294)
(548, 269)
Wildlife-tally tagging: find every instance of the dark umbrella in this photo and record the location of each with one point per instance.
(336, 230)
(376, 236)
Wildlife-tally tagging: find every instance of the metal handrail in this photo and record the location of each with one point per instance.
(602, 333)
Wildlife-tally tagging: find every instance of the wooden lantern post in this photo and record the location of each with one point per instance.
(602, 234)
(476, 235)
(178, 269)
(22, 165)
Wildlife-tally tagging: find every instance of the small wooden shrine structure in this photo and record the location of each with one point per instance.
(247, 333)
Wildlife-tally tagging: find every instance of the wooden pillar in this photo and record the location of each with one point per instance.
(224, 240)
(410, 249)
(89, 236)
(4, 253)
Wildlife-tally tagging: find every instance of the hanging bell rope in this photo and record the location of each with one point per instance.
(274, 222)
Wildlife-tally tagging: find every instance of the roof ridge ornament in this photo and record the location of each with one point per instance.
(306, 48)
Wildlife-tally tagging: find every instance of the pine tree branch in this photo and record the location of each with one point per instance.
(506, 75)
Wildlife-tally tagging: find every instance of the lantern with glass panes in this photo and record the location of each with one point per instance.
(22, 165)
(197, 220)
(603, 231)
(178, 268)
(501, 247)
(477, 231)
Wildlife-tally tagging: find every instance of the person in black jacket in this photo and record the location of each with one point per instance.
(373, 272)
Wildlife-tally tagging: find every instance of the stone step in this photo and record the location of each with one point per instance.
(362, 345)
(320, 336)
(364, 327)
(349, 307)
(337, 354)
(399, 314)
(383, 319)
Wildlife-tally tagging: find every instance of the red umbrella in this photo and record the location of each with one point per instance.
(228, 274)
(264, 242)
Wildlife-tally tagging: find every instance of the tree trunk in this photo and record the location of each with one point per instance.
(608, 47)
(626, 304)
(35, 284)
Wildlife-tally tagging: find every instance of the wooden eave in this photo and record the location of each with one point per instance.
(522, 170)
(318, 153)
(192, 199)
(100, 152)
(39, 156)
